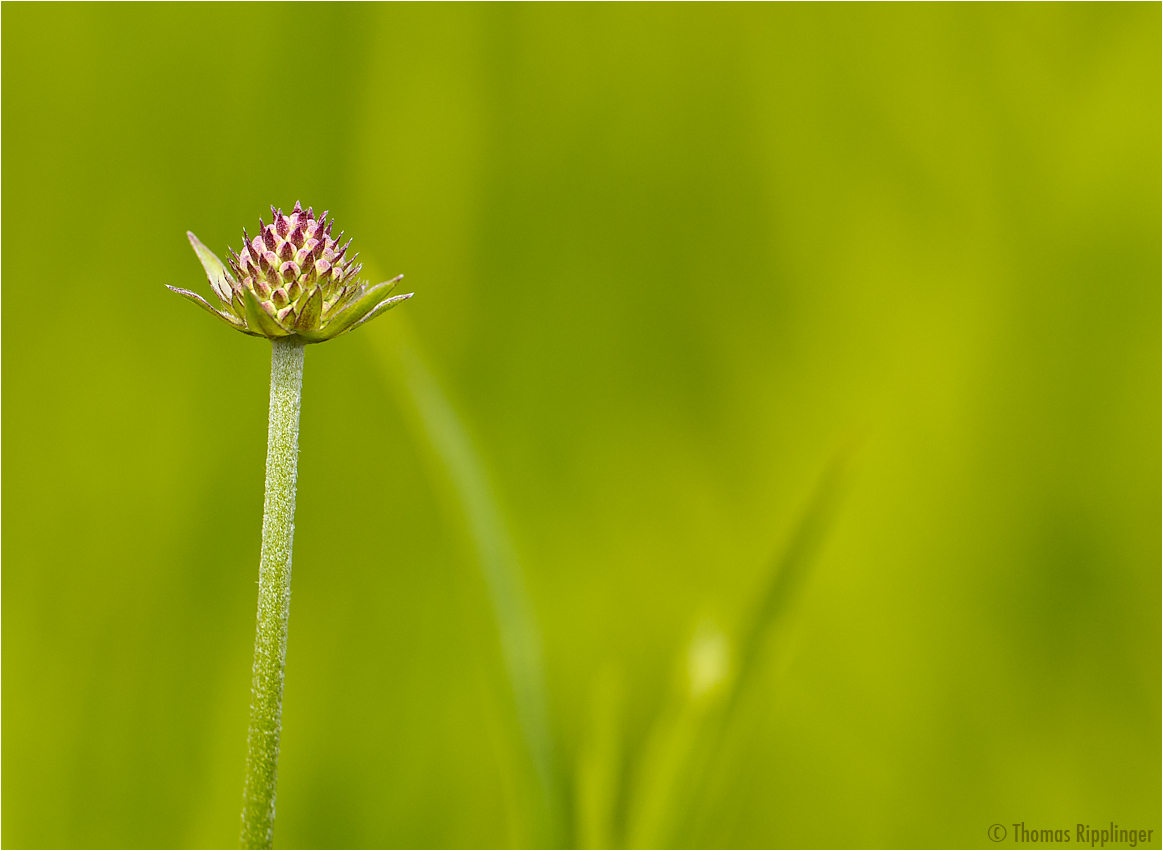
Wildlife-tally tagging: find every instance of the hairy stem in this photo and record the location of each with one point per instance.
(274, 595)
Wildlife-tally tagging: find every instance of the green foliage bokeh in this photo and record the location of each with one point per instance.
(669, 261)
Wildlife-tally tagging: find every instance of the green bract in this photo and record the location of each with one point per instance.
(292, 279)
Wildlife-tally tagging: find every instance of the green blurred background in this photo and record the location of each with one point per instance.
(673, 264)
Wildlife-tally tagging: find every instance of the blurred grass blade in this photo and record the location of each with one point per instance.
(599, 764)
(512, 608)
(686, 742)
(787, 575)
(654, 797)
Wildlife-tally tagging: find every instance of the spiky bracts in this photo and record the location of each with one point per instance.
(292, 278)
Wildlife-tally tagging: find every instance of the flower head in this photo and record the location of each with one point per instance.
(294, 278)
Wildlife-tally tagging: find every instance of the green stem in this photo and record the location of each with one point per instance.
(274, 595)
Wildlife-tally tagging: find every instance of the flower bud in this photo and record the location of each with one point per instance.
(292, 278)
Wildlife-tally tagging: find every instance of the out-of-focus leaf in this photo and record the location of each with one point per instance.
(686, 740)
(512, 609)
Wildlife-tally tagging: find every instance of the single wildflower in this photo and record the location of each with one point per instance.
(293, 284)
(292, 279)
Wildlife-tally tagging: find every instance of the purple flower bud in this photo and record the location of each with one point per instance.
(300, 276)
